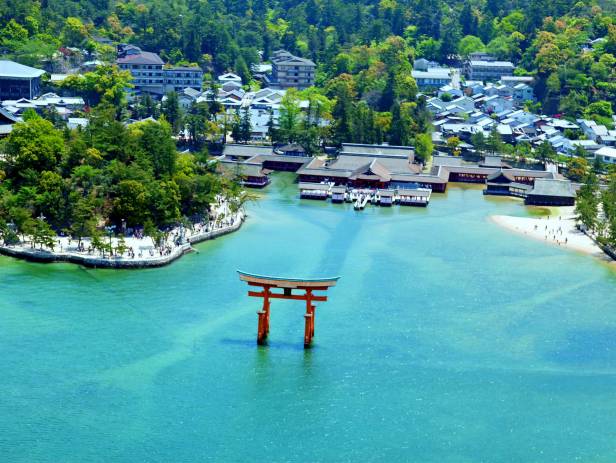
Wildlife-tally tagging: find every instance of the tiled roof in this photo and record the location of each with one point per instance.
(246, 150)
(145, 57)
(552, 187)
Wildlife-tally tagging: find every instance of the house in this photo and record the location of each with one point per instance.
(261, 155)
(70, 102)
(523, 93)
(502, 183)
(432, 78)
(514, 80)
(187, 96)
(230, 77)
(90, 66)
(76, 122)
(237, 152)
(473, 87)
(505, 132)
(231, 101)
(495, 104)
(461, 104)
(607, 140)
(423, 64)
(178, 78)
(588, 145)
(267, 98)
(481, 56)
(292, 149)
(231, 86)
(606, 154)
(562, 124)
(292, 71)
(145, 67)
(250, 174)
(462, 131)
(488, 70)
(449, 90)
(63, 105)
(19, 81)
(7, 120)
(261, 71)
(551, 192)
(150, 74)
(592, 130)
(259, 124)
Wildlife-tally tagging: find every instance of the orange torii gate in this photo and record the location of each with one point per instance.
(288, 285)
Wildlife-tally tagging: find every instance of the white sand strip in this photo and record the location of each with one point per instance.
(557, 230)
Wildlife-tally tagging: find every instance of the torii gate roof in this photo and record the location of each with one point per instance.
(282, 282)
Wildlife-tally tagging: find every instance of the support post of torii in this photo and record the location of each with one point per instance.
(288, 286)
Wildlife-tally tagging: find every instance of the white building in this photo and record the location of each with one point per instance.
(434, 77)
(488, 70)
(606, 154)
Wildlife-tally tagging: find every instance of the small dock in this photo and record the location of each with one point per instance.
(360, 198)
(320, 191)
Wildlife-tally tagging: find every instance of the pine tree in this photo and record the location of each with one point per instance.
(172, 112)
(468, 20)
(245, 129)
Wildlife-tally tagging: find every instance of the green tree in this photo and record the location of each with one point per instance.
(587, 203)
(106, 84)
(494, 142)
(75, 32)
(479, 142)
(245, 126)
(423, 147)
(545, 152)
(157, 143)
(33, 146)
(290, 117)
(83, 223)
(341, 90)
(165, 202)
(470, 44)
(13, 34)
(577, 168)
(453, 143)
(121, 246)
(42, 234)
(130, 203)
(172, 112)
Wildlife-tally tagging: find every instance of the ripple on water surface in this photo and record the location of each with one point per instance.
(447, 339)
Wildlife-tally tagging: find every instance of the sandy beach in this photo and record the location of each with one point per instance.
(557, 230)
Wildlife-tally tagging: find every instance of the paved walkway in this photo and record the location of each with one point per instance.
(140, 251)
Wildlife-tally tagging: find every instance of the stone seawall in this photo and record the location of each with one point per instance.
(36, 255)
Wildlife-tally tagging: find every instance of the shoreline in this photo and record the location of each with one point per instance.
(121, 262)
(558, 230)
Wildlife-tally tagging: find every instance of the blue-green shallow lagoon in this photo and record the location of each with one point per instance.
(447, 339)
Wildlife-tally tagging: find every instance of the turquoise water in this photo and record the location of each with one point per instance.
(447, 339)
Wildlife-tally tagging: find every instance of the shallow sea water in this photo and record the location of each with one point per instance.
(447, 339)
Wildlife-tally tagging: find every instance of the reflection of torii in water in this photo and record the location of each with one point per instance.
(288, 285)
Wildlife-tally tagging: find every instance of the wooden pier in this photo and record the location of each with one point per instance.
(418, 197)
